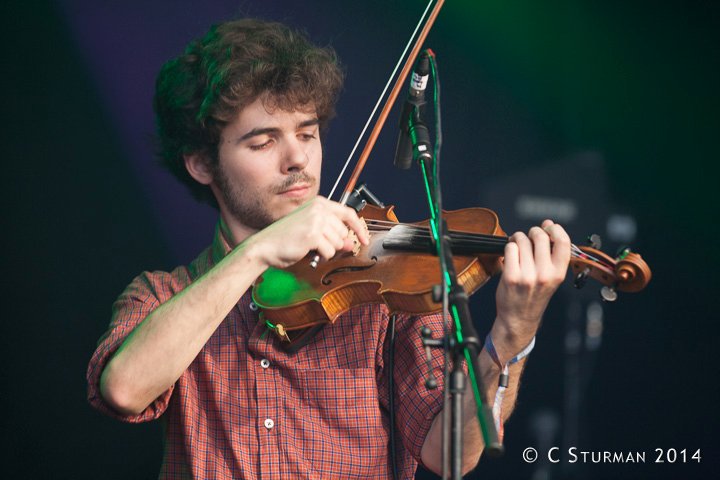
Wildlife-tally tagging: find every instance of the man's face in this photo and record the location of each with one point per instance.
(268, 164)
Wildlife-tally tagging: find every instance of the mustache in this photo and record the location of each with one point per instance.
(295, 177)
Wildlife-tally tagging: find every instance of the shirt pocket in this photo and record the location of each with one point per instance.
(343, 420)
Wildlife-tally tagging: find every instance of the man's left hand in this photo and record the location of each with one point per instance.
(534, 266)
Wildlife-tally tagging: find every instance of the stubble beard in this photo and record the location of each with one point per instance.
(248, 208)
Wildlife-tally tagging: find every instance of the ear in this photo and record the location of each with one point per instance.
(198, 166)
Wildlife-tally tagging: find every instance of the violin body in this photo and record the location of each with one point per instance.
(403, 279)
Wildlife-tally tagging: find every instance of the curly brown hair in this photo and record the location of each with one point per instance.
(202, 90)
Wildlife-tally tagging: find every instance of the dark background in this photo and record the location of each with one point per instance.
(606, 107)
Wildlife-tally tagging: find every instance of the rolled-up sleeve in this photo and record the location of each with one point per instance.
(146, 292)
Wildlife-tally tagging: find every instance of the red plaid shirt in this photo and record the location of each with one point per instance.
(245, 408)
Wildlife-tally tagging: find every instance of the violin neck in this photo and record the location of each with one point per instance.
(419, 240)
(628, 272)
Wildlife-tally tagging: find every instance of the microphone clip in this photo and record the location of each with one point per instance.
(410, 116)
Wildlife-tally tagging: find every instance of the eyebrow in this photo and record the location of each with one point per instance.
(270, 130)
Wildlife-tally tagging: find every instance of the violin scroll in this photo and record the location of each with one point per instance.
(628, 272)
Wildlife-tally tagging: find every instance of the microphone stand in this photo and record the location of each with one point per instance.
(464, 343)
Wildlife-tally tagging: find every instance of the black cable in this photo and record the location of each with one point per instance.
(391, 392)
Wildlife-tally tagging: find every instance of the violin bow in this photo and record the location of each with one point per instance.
(390, 101)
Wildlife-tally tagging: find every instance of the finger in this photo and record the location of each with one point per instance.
(325, 216)
(348, 245)
(335, 239)
(546, 223)
(338, 227)
(343, 232)
(351, 219)
(511, 262)
(526, 256)
(541, 251)
(560, 246)
(325, 249)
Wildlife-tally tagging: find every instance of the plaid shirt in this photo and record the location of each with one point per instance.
(245, 408)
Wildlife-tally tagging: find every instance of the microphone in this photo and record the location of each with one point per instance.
(411, 111)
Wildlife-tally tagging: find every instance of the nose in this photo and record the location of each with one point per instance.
(296, 156)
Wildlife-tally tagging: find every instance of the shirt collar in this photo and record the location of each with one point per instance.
(221, 244)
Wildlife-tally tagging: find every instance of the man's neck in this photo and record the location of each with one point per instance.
(234, 232)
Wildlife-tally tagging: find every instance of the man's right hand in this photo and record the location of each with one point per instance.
(319, 225)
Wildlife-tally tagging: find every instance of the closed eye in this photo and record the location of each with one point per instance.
(261, 146)
(307, 136)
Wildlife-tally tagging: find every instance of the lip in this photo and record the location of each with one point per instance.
(297, 190)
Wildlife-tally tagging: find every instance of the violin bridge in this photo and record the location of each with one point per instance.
(353, 236)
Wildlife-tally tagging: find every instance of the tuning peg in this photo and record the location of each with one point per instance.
(594, 241)
(608, 294)
(622, 252)
(581, 278)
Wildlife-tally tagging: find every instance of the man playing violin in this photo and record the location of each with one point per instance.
(240, 116)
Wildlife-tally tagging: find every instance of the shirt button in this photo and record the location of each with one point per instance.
(269, 423)
(265, 363)
(253, 307)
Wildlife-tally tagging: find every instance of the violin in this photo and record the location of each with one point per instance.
(400, 268)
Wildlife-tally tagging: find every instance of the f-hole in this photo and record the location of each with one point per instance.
(326, 280)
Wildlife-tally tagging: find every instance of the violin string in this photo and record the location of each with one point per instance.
(422, 230)
(380, 99)
(581, 254)
(411, 232)
(467, 239)
(454, 236)
(409, 229)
